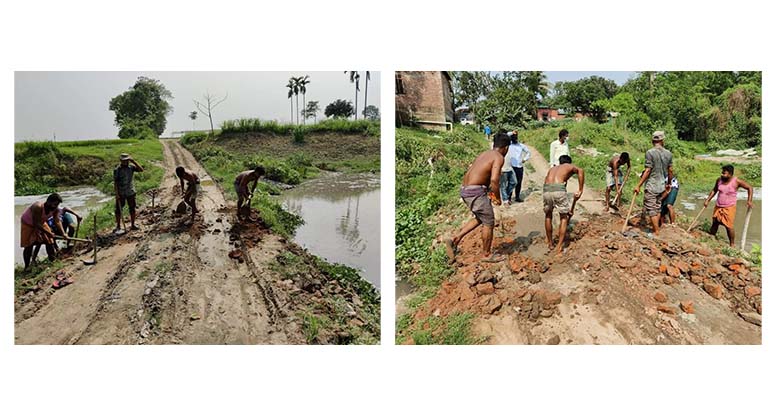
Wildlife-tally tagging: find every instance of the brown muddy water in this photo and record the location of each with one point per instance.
(81, 200)
(341, 220)
(691, 204)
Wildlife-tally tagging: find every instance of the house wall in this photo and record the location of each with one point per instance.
(427, 99)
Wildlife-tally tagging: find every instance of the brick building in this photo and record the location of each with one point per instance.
(424, 98)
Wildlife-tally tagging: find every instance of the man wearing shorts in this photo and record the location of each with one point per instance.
(124, 187)
(479, 191)
(614, 179)
(668, 212)
(726, 203)
(191, 191)
(659, 165)
(557, 197)
(35, 230)
(244, 189)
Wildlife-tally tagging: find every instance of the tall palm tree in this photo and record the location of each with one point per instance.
(290, 94)
(355, 77)
(366, 93)
(193, 115)
(296, 89)
(303, 81)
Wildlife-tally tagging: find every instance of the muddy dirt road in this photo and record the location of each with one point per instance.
(173, 282)
(607, 288)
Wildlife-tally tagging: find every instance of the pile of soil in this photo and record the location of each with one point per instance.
(617, 275)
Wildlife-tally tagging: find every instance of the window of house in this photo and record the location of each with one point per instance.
(399, 84)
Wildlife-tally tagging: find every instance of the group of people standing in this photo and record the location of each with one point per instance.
(43, 222)
(502, 168)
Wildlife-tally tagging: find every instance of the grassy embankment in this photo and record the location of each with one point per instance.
(289, 153)
(45, 167)
(292, 154)
(427, 205)
(693, 175)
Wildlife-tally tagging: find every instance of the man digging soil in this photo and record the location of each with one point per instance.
(241, 184)
(191, 191)
(556, 196)
(484, 172)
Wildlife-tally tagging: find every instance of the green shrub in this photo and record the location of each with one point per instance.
(298, 135)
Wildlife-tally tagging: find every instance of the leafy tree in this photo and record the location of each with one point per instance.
(510, 103)
(193, 115)
(355, 78)
(339, 109)
(132, 129)
(371, 113)
(207, 106)
(313, 107)
(146, 103)
(470, 87)
(578, 96)
(291, 85)
(303, 82)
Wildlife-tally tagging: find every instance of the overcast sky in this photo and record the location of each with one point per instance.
(74, 105)
(620, 77)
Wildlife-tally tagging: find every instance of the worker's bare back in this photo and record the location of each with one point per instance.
(560, 173)
(480, 172)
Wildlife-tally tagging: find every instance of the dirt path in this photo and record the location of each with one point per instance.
(173, 281)
(602, 290)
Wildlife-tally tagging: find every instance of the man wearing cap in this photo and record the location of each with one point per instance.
(658, 178)
(124, 187)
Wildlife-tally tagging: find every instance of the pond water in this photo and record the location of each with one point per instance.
(691, 204)
(81, 200)
(341, 220)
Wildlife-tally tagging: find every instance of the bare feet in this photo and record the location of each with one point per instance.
(493, 258)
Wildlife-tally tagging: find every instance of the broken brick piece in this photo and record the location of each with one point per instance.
(660, 297)
(713, 289)
(687, 306)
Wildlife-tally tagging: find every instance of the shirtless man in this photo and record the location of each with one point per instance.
(556, 196)
(614, 179)
(479, 192)
(241, 184)
(190, 192)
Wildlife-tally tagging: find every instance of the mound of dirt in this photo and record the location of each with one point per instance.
(321, 146)
(621, 282)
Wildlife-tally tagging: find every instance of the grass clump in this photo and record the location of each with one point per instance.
(455, 329)
(344, 126)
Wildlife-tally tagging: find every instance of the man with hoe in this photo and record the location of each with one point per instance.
(191, 191)
(35, 230)
(726, 204)
(658, 178)
(479, 191)
(557, 196)
(124, 187)
(615, 180)
(244, 189)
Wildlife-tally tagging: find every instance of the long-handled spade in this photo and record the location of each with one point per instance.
(629, 211)
(94, 241)
(695, 219)
(745, 228)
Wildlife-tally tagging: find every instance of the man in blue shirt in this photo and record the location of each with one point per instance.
(487, 132)
(519, 154)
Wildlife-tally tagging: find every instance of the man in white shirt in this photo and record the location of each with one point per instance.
(558, 148)
(519, 155)
(507, 181)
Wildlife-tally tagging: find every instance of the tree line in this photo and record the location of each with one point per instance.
(722, 109)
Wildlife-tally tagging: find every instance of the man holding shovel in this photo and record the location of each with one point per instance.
(557, 197)
(191, 191)
(124, 187)
(659, 166)
(615, 180)
(726, 204)
(242, 183)
(479, 192)
(35, 230)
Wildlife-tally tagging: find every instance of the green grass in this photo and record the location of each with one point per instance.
(693, 175)
(25, 280)
(254, 125)
(451, 330)
(420, 201)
